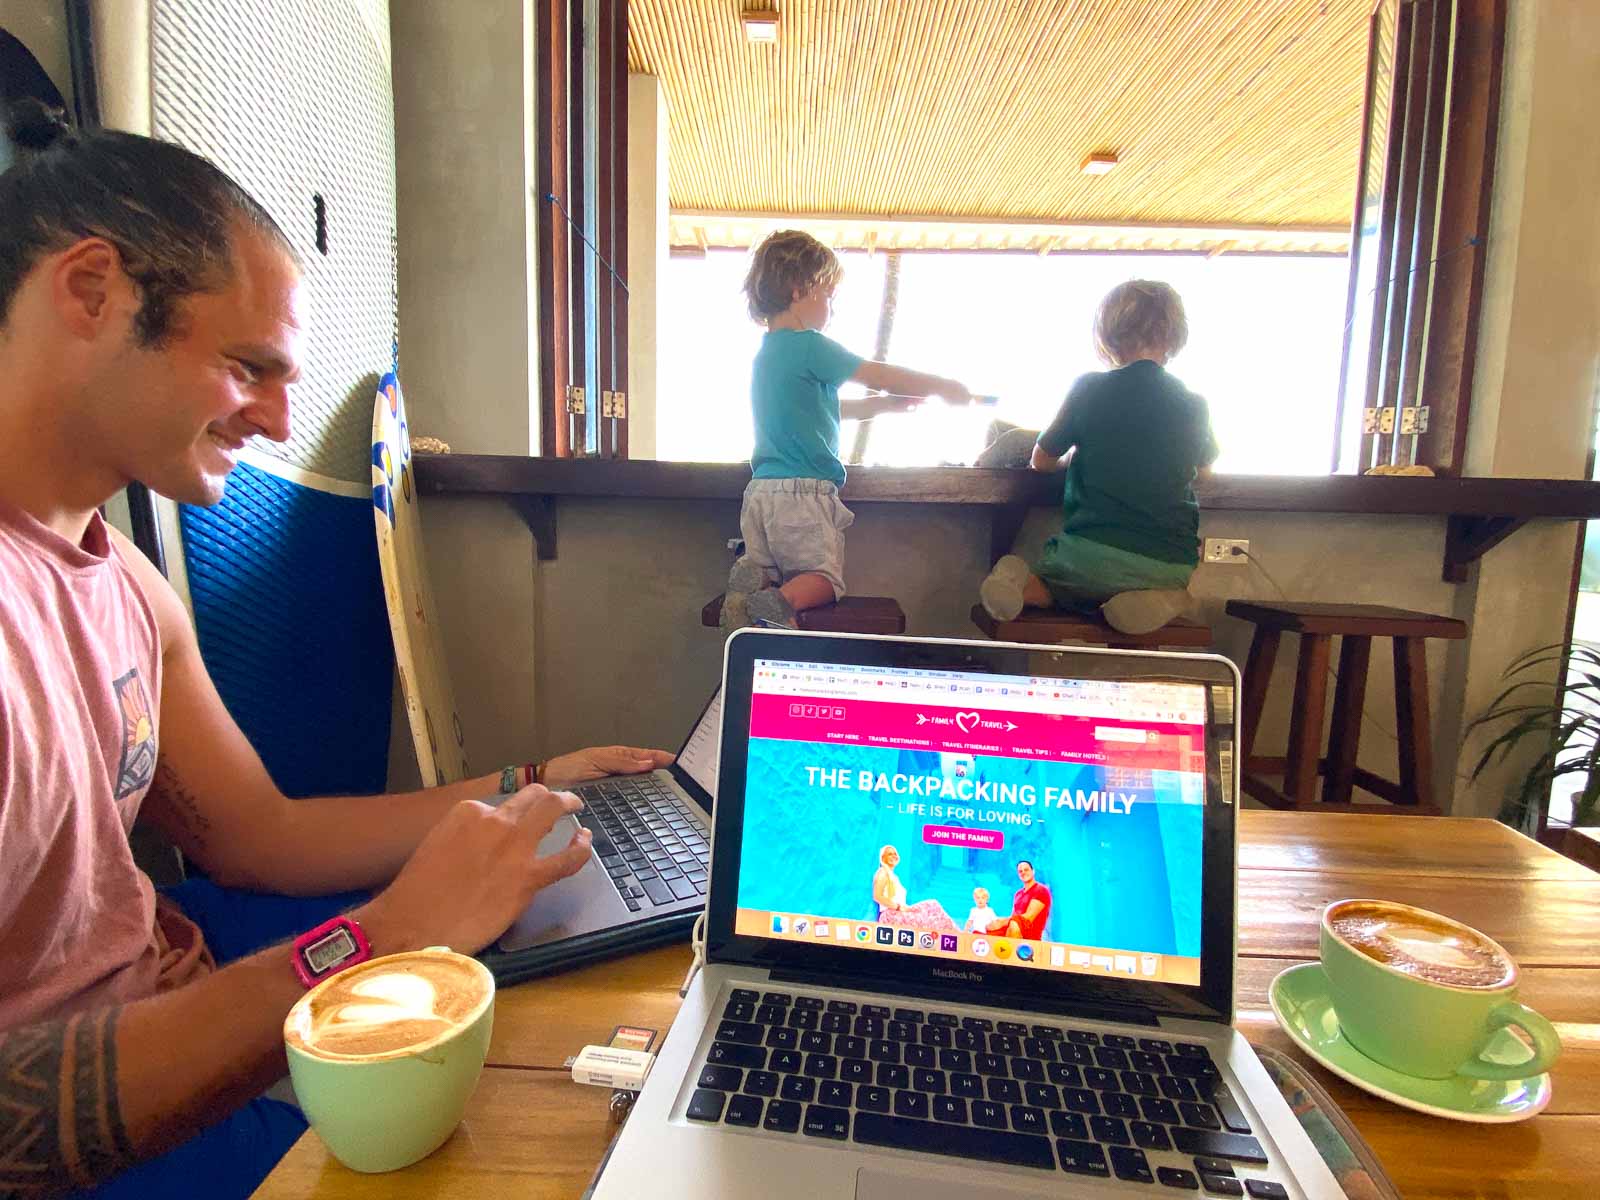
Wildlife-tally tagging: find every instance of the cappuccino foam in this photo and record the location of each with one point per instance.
(1428, 948)
(387, 1007)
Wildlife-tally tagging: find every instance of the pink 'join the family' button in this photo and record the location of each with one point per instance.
(957, 835)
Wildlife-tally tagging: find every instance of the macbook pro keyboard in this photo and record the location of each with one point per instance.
(653, 850)
(1143, 1109)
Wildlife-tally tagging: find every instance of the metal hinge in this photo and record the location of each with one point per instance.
(1413, 419)
(576, 404)
(614, 404)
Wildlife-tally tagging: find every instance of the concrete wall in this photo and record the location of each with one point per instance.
(624, 655)
(466, 347)
(614, 621)
(467, 343)
(1539, 346)
(1538, 349)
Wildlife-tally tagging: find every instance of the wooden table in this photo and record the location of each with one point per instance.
(531, 1133)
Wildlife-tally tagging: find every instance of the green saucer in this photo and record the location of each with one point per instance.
(1303, 1007)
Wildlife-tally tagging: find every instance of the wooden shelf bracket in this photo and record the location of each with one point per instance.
(1467, 539)
(538, 513)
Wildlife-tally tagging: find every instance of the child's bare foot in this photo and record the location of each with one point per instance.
(769, 605)
(746, 576)
(1002, 591)
(735, 611)
(1147, 610)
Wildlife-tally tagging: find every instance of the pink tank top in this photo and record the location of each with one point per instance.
(80, 693)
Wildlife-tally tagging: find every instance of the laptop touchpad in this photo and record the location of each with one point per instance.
(576, 905)
(875, 1183)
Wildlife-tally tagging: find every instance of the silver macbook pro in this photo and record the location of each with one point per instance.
(970, 933)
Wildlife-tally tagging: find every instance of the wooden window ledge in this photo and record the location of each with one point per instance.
(1480, 512)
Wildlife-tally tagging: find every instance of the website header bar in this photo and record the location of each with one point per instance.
(946, 729)
(1171, 703)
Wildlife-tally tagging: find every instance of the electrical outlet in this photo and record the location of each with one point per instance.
(1227, 550)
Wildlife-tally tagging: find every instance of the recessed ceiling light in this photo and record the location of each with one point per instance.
(760, 25)
(1098, 164)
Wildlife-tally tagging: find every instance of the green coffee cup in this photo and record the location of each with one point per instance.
(384, 1056)
(1425, 995)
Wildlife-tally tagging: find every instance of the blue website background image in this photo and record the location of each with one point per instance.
(1125, 880)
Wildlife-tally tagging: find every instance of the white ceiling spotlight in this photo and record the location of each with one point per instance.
(1099, 164)
(760, 26)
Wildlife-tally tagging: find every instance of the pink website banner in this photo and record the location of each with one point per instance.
(1152, 745)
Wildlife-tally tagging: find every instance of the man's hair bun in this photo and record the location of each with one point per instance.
(33, 125)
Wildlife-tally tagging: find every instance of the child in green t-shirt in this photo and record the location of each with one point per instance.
(1132, 441)
(792, 521)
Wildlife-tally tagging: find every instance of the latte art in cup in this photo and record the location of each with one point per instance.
(1423, 945)
(1427, 996)
(387, 1007)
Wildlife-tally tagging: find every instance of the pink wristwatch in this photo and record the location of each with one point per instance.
(329, 949)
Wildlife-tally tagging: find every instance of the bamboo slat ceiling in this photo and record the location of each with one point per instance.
(1223, 112)
(691, 231)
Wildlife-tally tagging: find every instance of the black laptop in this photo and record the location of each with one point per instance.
(647, 876)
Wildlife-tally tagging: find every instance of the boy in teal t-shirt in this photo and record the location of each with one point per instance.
(1132, 441)
(792, 521)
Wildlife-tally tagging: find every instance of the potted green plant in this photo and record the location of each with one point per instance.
(1563, 723)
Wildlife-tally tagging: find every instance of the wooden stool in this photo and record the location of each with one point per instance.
(1356, 625)
(1048, 627)
(853, 614)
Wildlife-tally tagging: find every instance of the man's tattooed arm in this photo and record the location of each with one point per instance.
(84, 1097)
(60, 1119)
(186, 823)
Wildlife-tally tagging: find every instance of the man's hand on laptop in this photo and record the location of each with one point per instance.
(599, 761)
(473, 873)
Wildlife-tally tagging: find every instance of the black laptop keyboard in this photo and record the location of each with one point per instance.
(648, 843)
(1045, 1096)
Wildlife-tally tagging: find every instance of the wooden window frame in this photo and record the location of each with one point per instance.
(581, 177)
(1431, 236)
(1430, 244)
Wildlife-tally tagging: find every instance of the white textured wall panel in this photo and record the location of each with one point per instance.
(293, 98)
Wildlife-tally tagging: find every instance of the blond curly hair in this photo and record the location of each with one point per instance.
(786, 262)
(1141, 316)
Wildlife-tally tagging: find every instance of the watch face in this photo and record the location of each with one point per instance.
(327, 953)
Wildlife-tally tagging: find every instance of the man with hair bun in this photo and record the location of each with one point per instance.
(1132, 441)
(151, 324)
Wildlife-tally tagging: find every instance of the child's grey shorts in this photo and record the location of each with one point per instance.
(795, 526)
